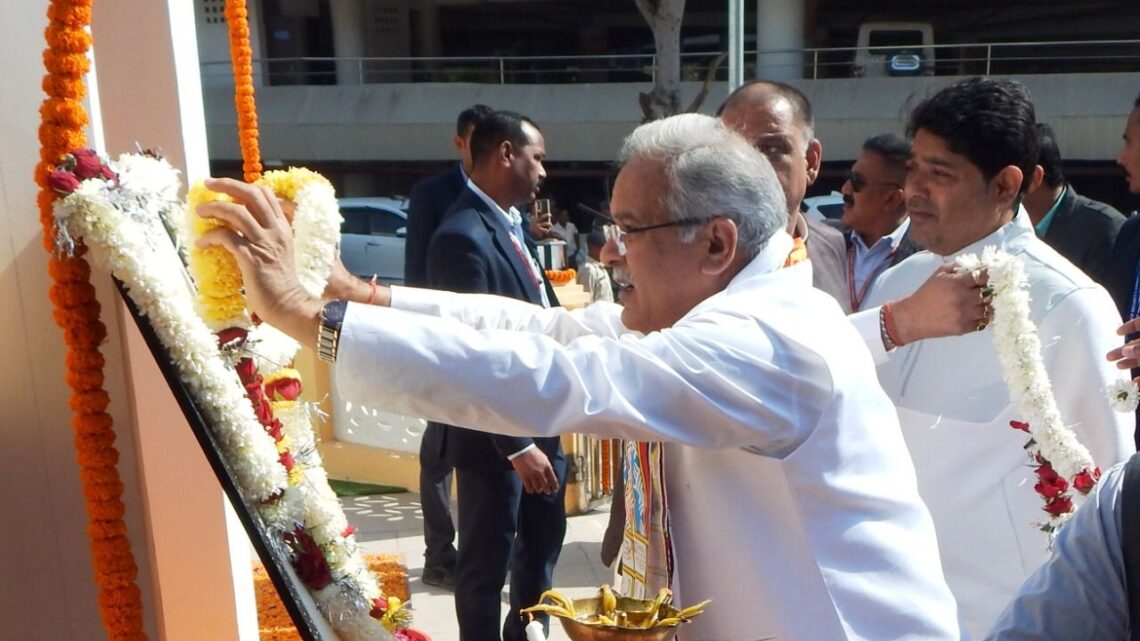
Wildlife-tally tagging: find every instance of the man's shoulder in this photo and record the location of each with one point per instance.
(1095, 211)
(449, 183)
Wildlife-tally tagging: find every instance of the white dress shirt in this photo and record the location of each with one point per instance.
(793, 501)
(955, 411)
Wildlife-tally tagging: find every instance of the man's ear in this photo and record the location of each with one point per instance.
(460, 144)
(814, 159)
(895, 199)
(1007, 183)
(720, 242)
(1037, 180)
(506, 152)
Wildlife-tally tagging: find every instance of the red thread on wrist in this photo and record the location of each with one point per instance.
(372, 292)
(889, 322)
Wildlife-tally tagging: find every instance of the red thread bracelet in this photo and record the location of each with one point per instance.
(372, 293)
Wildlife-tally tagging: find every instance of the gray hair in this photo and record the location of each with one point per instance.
(712, 171)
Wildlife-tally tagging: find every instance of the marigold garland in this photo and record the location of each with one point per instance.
(77, 311)
(241, 57)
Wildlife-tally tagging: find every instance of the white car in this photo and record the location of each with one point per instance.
(829, 206)
(372, 237)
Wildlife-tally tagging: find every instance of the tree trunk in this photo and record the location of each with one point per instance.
(664, 18)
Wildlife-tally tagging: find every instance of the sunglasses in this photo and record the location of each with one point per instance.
(859, 181)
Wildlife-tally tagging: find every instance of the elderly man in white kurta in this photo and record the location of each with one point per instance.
(971, 144)
(793, 502)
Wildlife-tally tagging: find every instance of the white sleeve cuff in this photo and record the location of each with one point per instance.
(521, 452)
(866, 322)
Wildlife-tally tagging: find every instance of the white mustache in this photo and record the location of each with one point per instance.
(622, 275)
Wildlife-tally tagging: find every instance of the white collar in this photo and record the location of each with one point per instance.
(512, 215)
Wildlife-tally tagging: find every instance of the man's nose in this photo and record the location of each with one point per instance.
(610, 254)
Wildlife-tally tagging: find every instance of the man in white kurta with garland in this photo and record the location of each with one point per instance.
(793, 500)
(972, 144)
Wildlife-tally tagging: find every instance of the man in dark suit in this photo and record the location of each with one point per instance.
(1122, 274)
(776, 118)
(874, 220)
(1080, 229)
(510, 489)
(429, 199)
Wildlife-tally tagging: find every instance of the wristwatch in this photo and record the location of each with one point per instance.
(328, 333)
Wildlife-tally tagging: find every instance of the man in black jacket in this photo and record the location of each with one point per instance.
(1122, 276)
(511, 489)
(429, 199)
(1080, 229)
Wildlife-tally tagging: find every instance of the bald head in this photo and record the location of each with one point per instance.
(776, 119)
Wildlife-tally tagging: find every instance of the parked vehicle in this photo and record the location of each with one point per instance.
(894, 49)
(372, 237)
(827, 206)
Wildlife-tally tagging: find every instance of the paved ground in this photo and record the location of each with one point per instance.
(393, 523)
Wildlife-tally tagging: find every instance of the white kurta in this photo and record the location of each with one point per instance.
(793, 501)
(955, 411)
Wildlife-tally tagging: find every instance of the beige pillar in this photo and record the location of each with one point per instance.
(348, 40)
(779, 28)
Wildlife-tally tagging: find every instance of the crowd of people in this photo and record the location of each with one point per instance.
(817, 429)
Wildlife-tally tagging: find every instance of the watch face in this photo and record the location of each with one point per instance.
(332, 314)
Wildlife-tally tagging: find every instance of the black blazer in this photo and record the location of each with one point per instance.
(429, 200)
(1084, 231)
(472, 252)
(1120, 272)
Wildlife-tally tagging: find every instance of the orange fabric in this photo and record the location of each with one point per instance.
(798, 253)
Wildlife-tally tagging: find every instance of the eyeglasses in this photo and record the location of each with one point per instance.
(859, 181)
(618, 234)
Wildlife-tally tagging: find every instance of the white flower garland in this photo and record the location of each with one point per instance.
(316, 230)
(1014, 337)
(115, 222)
(121, 225)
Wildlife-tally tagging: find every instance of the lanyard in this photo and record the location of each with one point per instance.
(857, 298)
(1135, 309)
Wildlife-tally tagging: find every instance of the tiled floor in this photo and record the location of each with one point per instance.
(393, 523)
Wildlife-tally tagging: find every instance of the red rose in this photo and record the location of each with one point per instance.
(109, 175)
(1018, 425)
(1085, 481)
(287, 460)
(274, 429)
(264, 411)
(232, 335)
(1058, 506)
(246, 368)
(63, 181)
(348, 531)
(1046, 473)
(379, 607)
(308, 560)
(284, 389)
(1052, 488)
(87, 164)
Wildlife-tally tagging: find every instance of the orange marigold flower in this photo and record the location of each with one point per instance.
(67, 64)
(67, 40)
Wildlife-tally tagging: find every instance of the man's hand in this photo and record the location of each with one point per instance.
(540, 226)
(1127, 356)
(947, 304)
(537, 474)
(258, 235)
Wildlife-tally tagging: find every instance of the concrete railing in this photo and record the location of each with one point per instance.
(1004, 58)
